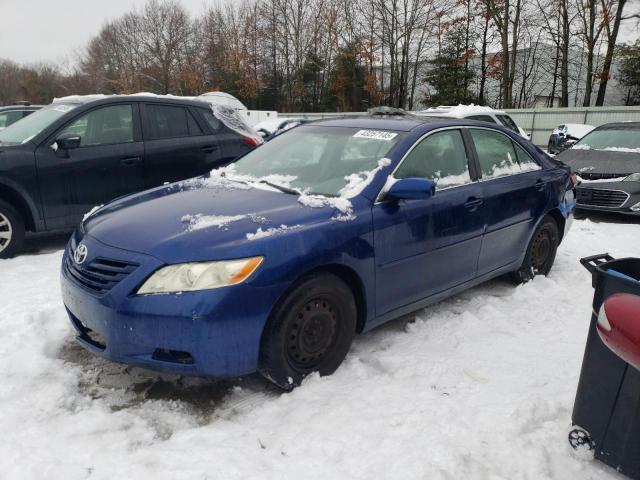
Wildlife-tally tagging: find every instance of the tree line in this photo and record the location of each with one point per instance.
(349, 55)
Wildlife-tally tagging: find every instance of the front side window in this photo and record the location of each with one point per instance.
(103, 126)
(496, 154)
(440, 157)
(317, 159)
(24, 130)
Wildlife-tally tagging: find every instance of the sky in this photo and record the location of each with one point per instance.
(52, 30)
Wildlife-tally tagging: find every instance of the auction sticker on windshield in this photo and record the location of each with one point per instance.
(375, 134)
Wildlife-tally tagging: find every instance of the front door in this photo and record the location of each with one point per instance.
(107, 165)
(424, 247)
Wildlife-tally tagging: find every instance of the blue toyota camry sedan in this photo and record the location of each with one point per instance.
(274, 263)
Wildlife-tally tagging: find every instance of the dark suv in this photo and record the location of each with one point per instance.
(83, 151)
(12, 113)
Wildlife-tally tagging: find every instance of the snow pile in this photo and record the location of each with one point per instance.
(477, 387)
(606, 149)
(342, 204)
(451, 180)
(199, 221)
(600, 180)
(458, 111)
(357, 182)
(260, 233)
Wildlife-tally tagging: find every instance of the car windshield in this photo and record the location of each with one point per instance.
(319, 160)
(622, 139)
(24, 130)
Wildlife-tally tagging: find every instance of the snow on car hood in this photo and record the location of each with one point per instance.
(184, 220)
(601, 161)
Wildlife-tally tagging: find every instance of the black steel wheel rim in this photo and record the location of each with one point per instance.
(311, 334)
(541, 250)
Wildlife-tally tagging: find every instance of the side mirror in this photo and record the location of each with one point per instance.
(619, 326)
(412, 189)
(67, 141)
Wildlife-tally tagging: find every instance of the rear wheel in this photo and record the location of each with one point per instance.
(541, 252)
(11, 230)
(310, 330)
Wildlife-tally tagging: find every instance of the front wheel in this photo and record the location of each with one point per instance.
(11, 230)
(541, 251)
(310, 330)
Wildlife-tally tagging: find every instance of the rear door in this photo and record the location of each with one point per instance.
(424, 247)
(107, 165)
(176, 144)
(515, 194)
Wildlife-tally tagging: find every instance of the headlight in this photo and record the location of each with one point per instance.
(189, 277)
(634, 177)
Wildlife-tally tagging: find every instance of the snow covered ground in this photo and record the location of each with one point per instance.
(479, 386)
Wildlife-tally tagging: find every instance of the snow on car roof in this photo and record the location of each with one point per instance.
(458, 111)
(212, 98)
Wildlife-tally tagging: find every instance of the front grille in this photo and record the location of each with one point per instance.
(600, 197)
(600, 176)
(100, 275)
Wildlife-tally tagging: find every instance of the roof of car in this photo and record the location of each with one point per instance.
(204, 99)
(387, 122)
(620, 125)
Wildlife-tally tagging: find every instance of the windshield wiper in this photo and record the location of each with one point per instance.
(282, 188)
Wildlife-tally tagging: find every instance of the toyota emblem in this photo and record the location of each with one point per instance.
(80, 254)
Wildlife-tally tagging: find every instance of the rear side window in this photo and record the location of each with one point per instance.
(524, 159)
(165, 121)
(211, 119)
(103, 126)
(7, 118)
(482, 118)
(508, 122)
(496, 154)
(440, 157)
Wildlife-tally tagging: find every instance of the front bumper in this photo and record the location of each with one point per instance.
(618, 197)
(213, 333)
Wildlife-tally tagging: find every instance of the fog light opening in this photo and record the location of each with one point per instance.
(173, 356)
(636, 207)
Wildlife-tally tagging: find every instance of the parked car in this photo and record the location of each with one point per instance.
(608, 161)
(80, 152)
(12, 113)
(566, 135)
(274, 263)
(475, 112)
(275, 126)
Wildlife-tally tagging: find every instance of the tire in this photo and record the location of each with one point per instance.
(541, 252)
(11, 230)
(310, 330)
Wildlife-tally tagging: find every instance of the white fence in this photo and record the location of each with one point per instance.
(539, 122)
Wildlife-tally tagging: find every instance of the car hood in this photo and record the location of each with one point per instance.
(191, 221)
(601, 161)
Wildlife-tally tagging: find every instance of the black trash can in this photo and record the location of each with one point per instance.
(606, 413)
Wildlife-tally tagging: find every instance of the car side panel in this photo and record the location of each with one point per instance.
(513, 203)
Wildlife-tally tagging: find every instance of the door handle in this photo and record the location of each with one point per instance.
(540, 185)
(209, 148)
(130, 161)
(472, 204)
